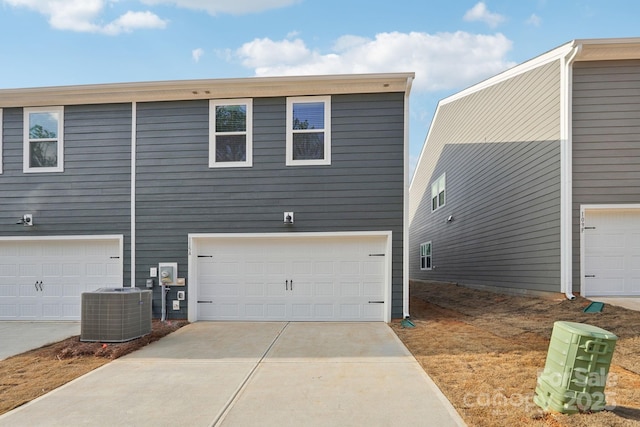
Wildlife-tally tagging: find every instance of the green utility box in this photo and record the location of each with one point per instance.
(576, 370)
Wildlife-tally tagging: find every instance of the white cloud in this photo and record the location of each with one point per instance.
(534, 20)
(196, 54)
(81, 16)
(441, 61)
(479, 12)
(234, 7)
(134, 21)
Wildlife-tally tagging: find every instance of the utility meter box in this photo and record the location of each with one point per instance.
(576, 369)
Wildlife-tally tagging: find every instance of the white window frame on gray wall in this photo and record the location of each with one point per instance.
(293, 133)
(424, 256)
(214, 134)
(438, 196)
(57, 114)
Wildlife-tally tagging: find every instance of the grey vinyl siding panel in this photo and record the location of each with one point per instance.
(92, 195)
(606, 139)
(499, 150)
(177, 193)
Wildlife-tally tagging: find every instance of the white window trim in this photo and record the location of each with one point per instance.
(213, 103)
(327, 130)
(25, 148)
(1, 132)
(430, 256)
(436, 182)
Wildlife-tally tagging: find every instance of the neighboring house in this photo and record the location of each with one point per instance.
(277, 198)
(530, 181)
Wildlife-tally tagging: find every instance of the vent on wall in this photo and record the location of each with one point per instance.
(115, 314)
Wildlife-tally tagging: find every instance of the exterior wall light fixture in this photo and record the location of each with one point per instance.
(288, 217)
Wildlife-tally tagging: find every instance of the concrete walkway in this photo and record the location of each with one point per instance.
(246, 374)
(18, 337)
(631, 303)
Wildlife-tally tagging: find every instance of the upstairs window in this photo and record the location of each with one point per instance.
(230, 135)
(43, 139)
(309, 130)
(425, 256)
(437, 193)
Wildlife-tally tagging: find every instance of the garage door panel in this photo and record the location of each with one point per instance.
(46, 279)
(324, 278)
(611, 252)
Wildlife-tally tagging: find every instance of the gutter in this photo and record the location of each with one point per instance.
(405, 216)
(566, 171)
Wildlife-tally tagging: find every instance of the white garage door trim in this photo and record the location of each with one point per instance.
(584, 222)
(117, 239)
(194, 239)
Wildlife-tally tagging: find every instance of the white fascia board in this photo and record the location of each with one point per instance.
(553, 55)
(252, 87)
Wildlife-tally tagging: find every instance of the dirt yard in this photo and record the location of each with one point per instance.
(29, 375)
(484, 351)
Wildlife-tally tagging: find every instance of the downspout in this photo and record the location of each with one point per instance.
(134, 125)
(566, 172)
(405, 219)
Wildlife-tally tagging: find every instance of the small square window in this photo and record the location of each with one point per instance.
(309, 130)
(43, 139)
(438, 193)
(230, 133)
(425, 256)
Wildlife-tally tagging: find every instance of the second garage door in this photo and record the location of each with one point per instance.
(612, 252)
(299, 278)
(43, 279)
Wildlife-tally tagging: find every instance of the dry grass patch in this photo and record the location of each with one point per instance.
(29, 375)
(485, 350)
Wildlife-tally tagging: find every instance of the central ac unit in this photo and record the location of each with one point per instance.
(115, 314)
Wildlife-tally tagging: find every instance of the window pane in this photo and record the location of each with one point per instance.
(427, 250)
(308, 115)
(231, 148)
(308, 146)
(434, 203)
(43, 125)
(43, 154)
(441, 199)
(231, 118)
(428, 262)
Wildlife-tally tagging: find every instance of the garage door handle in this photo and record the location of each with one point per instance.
(286, 285)
(589, 275)
(376, 302)
(292, 285)
(38, 284)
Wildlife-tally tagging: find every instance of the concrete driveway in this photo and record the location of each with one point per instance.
(246, 374)
(18, 337)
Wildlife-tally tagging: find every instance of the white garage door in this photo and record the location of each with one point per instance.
(43, 279)
(612, 252)
(292, 278)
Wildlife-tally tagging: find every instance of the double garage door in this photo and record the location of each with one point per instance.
(611, 248)
(44, 279)
(298, 278)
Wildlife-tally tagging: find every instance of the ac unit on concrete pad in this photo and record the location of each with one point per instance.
(115, 314)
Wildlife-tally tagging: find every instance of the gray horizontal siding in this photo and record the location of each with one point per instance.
(91, 196)
(606, 139)
(179, 194)
(499, 148)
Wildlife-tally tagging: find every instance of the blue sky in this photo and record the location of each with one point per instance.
(449, 45)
